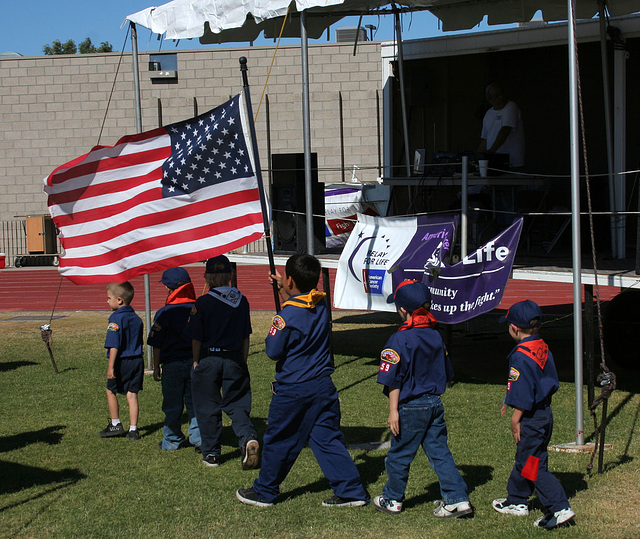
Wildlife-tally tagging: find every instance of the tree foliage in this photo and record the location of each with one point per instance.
(69, 47)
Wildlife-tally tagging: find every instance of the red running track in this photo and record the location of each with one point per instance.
(43, 289)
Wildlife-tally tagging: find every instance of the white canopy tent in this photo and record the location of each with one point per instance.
(200, 18)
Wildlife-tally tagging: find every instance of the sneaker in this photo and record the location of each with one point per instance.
(248, 496)
(452, 510)
(392, 507)
(249, 452)
(500, 505)
(552, 520)
(112, 430)
(337, 501)
(211, 460)
(133, 434)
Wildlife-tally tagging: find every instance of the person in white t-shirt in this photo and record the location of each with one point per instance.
(502, 128)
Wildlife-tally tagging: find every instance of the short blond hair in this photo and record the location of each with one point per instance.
(122, 290)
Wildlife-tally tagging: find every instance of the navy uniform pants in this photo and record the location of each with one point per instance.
(221, 383)
(535, 433)
(301, 413)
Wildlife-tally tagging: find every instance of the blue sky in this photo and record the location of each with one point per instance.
(27, 25)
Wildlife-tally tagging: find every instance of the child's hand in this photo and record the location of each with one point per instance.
(110, 374)
(277, 278)
(515, 430)
(394, 422)
(157, 376)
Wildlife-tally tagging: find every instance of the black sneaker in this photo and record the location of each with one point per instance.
(337, 501)
(112, 430)
(249, 451)
(134, 435)
(211, 460)
(248, 496)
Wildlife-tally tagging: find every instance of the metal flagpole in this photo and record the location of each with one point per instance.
(575, 224)
(258, 171)
(136, 92)
(306, 130)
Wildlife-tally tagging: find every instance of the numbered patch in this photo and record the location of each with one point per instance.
(155, 327)
(514, 374)
(113, 327)
(278, 322)
(390, 356)
(384, 366)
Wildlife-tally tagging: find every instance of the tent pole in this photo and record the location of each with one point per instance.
(306, 127)
(403, 100)
(615, 250)
(136, 95)
(575, 224)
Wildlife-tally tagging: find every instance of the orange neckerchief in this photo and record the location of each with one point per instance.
(306, 301)
(420, 318)
(537, 350)
(182, 294)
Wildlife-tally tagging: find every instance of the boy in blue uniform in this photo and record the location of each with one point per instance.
(533, 379)
(220, 326)
(305, 406)
(125, 372)
(414, 370)
(172, 349)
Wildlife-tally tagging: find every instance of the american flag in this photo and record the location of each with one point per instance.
(160, 199)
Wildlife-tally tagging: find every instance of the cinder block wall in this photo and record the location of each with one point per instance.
(52, 108)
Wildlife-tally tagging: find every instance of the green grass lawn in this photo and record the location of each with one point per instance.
(58, 478)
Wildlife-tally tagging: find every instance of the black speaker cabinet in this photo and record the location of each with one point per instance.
(289, 208)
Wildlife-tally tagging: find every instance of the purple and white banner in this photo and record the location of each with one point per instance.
(382, 252)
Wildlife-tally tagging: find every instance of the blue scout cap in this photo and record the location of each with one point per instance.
(410, 295)
(524, 314)
(173, 276)
(218, 264)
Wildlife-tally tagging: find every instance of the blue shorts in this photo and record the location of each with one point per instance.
(129, 376)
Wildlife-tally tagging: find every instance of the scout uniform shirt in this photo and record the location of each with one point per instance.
(299, 339)
(532, 375)
(124, 332)
(168, 332)
(415, 360)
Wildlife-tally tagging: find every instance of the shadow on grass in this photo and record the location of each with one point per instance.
(13, 365)
(474, 476)
(49, 435)
(16, 477)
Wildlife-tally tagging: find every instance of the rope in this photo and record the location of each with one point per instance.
(606, 378)
(104, 119)
(273, 59)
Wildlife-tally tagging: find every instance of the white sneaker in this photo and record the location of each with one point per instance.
(452, 510)
(392, 507)
(552, 520)
(500, 505)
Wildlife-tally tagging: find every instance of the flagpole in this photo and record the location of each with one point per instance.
(136, 92)
(263, 201)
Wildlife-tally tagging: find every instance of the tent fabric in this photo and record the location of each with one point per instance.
(182, 19)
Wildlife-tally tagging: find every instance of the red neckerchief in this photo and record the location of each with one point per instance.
(538, 350)
(306, 301)
(182, 294)
(421, 318)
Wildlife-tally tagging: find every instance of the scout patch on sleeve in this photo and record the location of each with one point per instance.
(278, 322)
(155, 327)
(113, 327)
(193, 310)
(514, 374)
(390, 356)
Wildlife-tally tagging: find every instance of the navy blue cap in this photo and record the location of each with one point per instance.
(410, 295)
(218, 264)
(174, 276)
(524, 314)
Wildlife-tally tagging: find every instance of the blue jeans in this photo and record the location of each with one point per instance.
(176, 395)
(422, 424)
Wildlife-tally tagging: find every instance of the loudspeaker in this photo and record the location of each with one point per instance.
(289, 208)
